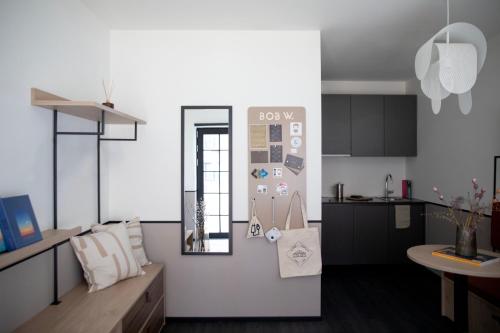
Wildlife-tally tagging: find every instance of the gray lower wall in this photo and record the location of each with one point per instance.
(27, 288)
(439, 231)
(204, 287)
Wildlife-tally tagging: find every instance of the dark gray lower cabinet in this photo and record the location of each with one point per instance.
(402, 239)
(337, 232)
(370, 234)
(366, 234)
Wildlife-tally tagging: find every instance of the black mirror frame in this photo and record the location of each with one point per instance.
(230, 132)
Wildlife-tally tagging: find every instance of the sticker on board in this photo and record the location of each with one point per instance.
(277, 172)
(259, 156)
(296, 142)
(276, 153)
(296, 129)
(262, 189)
(282, 189)
(275, 133)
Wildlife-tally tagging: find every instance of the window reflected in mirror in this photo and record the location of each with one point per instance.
(206, 225)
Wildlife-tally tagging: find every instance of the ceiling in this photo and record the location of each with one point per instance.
(360, 39)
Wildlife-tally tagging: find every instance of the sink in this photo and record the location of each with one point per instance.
(392, 199)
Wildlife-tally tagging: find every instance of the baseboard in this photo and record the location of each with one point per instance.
(212, 319)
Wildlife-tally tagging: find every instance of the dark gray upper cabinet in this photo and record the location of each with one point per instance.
(369, 125)
(336, 124)
(367, 119)
(400, 125)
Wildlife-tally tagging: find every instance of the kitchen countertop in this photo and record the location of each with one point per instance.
(374, 201)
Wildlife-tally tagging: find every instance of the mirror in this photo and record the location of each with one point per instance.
(206, 165)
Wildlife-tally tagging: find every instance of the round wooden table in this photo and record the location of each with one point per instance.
(423, 255)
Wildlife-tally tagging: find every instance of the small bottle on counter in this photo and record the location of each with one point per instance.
(406, 189)
(338, 190)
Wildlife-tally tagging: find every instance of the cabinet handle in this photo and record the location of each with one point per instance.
(148, 297)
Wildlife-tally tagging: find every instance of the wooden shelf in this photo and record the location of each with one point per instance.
(50, 238)
(97, 312)
(82, 109)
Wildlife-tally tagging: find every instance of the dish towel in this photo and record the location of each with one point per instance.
(403, 217)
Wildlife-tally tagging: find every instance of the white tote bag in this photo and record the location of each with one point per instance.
(299, 250)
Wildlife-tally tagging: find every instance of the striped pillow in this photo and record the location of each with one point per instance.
(135, 236)
(106, 257)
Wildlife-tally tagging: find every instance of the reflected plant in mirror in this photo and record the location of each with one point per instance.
(200, 226)
(206, 180)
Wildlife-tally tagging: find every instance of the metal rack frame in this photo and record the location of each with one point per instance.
(101, 126)
(100, 131)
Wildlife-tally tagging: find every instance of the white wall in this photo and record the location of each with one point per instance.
(363, 175)
(58, 46)
(157, 72)
(454, 148)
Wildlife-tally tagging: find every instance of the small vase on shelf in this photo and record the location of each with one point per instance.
(465, 242)
(108, 91)
(109, 104)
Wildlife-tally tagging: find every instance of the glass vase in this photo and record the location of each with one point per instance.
(465, 242)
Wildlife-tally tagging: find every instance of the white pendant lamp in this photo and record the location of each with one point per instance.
(445, 67)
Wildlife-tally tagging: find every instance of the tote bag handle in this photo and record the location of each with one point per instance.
(254, 213)
(302, 208)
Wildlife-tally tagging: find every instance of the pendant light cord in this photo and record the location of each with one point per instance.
(448, 21)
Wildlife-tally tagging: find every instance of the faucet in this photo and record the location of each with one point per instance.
(387, 191)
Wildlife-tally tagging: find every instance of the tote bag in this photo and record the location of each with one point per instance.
(299, 250)
(255, 228)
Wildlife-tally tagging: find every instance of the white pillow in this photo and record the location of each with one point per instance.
(106, 257)
(135, 236)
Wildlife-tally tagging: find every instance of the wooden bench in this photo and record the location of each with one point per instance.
(133, 305)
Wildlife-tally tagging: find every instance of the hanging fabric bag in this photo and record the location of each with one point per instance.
(299, 250)
(254, 226)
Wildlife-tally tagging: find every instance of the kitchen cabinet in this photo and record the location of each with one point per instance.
(354, 233)
(337, 234)
(369, 125)
(370, 234)
(336, 124)
(367, 129)
(400, 127)
(401, 240)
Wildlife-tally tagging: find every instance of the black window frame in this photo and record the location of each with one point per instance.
(201, 131)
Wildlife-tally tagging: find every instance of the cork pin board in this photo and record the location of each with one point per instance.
(276, 163)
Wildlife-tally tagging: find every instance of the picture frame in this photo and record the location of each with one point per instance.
(18, 223)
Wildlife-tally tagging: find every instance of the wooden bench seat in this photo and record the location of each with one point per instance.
(133, 305)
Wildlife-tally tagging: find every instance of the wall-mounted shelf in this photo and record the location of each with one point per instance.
(83, 109)
(50, 239)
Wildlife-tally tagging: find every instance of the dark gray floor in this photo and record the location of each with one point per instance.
(355, 299)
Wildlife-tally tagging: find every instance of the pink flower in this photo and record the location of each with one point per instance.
(435, 189)
(441, 197)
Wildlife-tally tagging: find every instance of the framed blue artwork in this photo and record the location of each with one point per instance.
(18, 223)
(3, 246)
